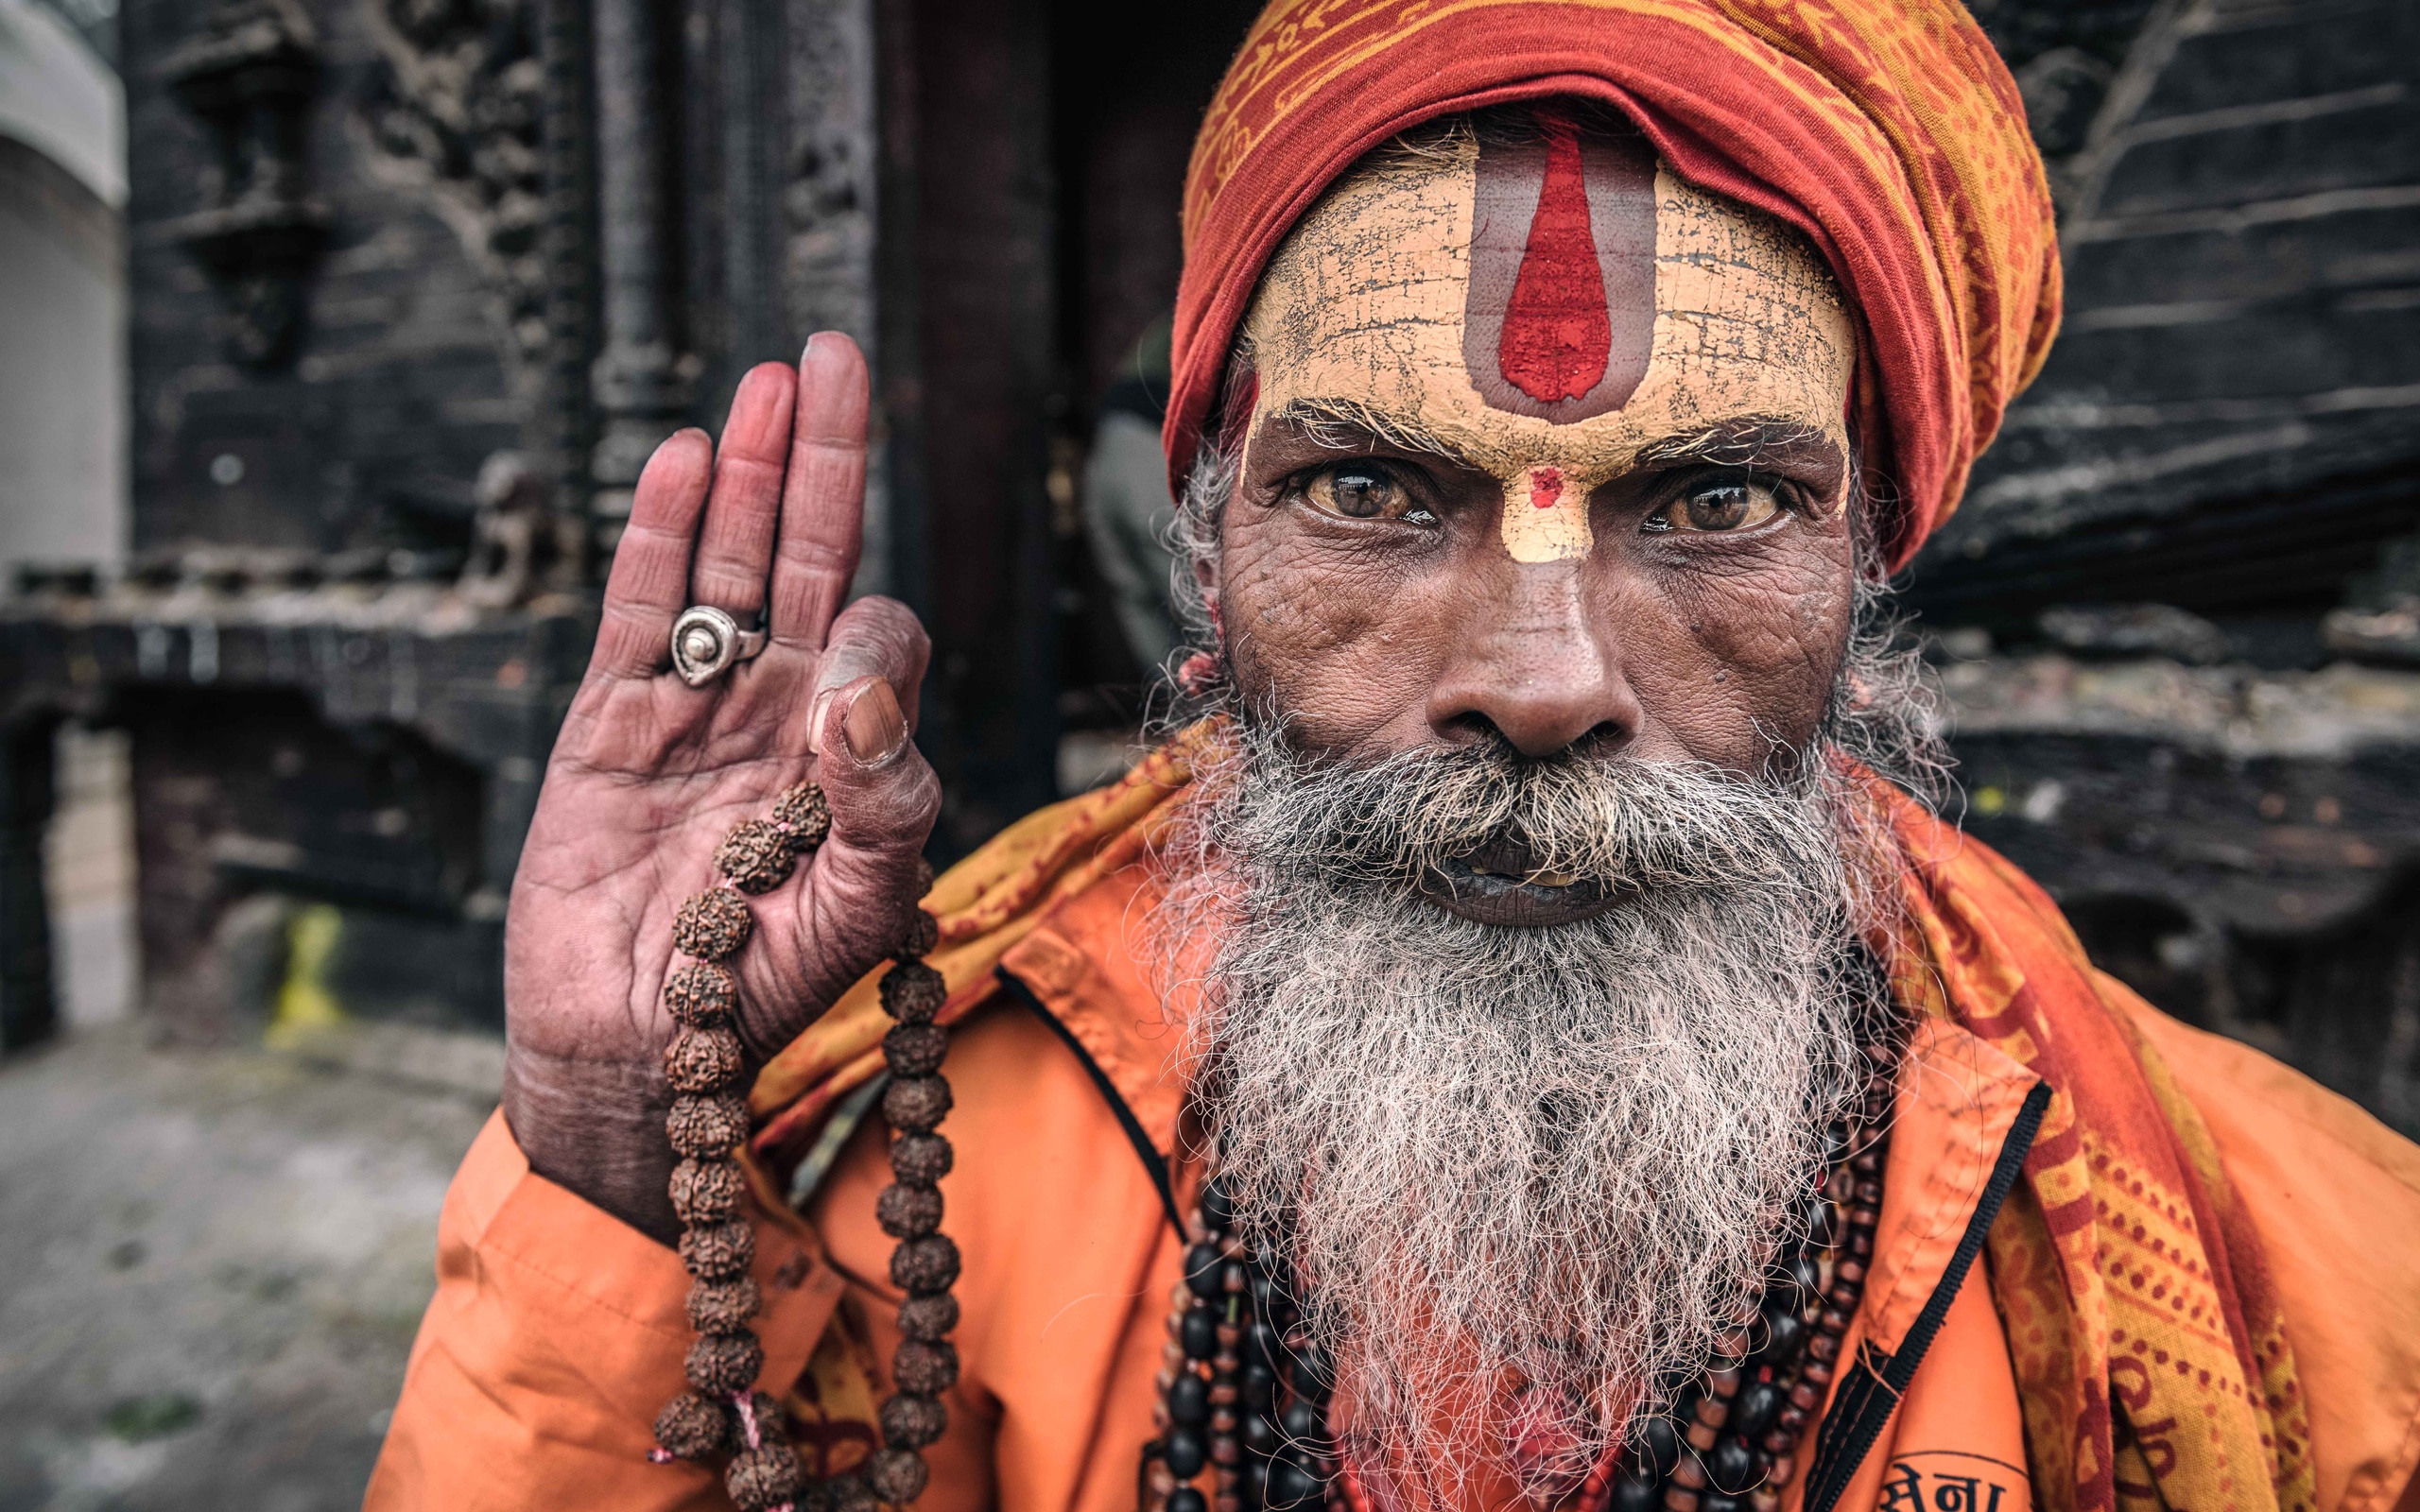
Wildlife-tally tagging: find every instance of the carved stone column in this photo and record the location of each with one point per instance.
(838, 215)
(642, 380)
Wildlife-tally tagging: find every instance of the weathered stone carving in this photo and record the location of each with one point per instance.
(517, 541)
(643, 378)
(250, 74)
(829, 191)
(460, 113)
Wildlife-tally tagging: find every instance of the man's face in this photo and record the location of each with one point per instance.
(1540, 562)
(1544, 441)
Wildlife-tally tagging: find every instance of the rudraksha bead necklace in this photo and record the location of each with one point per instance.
(705, 1065)
(924, 1263)
(1242, 1413)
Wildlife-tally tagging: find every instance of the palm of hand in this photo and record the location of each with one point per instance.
(649, 775)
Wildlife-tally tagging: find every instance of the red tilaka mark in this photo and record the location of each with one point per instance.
(1556, 334)
(1545, 486)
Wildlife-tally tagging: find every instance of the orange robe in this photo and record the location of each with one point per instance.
(555, 1330)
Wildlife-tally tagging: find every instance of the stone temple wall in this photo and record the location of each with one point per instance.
(337, 394)
(416, 284)
(2178, 616)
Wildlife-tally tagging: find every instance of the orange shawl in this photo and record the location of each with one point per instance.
(2122, 1266)
(1887, 130)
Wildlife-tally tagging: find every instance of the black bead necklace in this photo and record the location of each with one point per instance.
(1729, 1442)
(1242, 1413)
(1243, 1390)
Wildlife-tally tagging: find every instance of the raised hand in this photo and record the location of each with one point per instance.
(648, 774)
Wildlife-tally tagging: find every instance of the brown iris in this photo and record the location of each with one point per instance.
(1713, 508)
(1359, 490)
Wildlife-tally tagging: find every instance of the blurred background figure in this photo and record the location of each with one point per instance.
(1128, 510)
(335, 331)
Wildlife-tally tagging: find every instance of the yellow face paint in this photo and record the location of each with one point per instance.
(1368, 312)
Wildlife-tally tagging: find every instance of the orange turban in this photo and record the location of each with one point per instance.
(1887, 130)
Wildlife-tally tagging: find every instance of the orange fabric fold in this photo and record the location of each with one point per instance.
(985, 905)
(557, 1334)
(1888, 130)
(2125, 1268)
(2132, 1275)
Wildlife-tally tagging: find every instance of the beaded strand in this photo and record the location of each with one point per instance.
(1242, 1390)
(706, 1064)
(925, 1262)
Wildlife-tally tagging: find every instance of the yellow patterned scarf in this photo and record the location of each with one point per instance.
(2151, 1353)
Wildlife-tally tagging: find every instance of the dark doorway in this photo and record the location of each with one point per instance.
(1049, 147)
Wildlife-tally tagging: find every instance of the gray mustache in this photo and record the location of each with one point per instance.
(1617, 823)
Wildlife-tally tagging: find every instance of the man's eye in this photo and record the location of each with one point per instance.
(1355, 491)
(1710, 507)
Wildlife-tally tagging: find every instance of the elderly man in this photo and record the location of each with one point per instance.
(1519, 1042)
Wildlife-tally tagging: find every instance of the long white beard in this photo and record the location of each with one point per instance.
(1522, 1173)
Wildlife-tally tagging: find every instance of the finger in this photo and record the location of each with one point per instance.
(736, 548)
(874, 637)
(824, 498)
(649, 583)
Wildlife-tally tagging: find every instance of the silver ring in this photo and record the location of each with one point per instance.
(707, 643)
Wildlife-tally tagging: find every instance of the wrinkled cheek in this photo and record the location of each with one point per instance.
(1327, 644)
(1299, 616)
(1767, 655)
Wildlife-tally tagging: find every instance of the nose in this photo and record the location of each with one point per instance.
(1533, 666)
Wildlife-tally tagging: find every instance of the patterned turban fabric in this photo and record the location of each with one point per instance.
(1887, 130)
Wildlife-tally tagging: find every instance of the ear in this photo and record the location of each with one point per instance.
(1206, 577)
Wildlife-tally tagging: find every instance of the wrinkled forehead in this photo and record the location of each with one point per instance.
(1516, 298)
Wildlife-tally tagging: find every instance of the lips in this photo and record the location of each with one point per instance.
(1501, 884)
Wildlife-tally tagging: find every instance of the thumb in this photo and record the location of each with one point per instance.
(884, 799)
(861, 887)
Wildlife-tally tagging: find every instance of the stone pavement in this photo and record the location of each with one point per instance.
(212, 1264)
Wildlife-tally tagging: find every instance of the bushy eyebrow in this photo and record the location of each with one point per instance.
(1770, 442)
(1773, 442)
(1350, 425)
